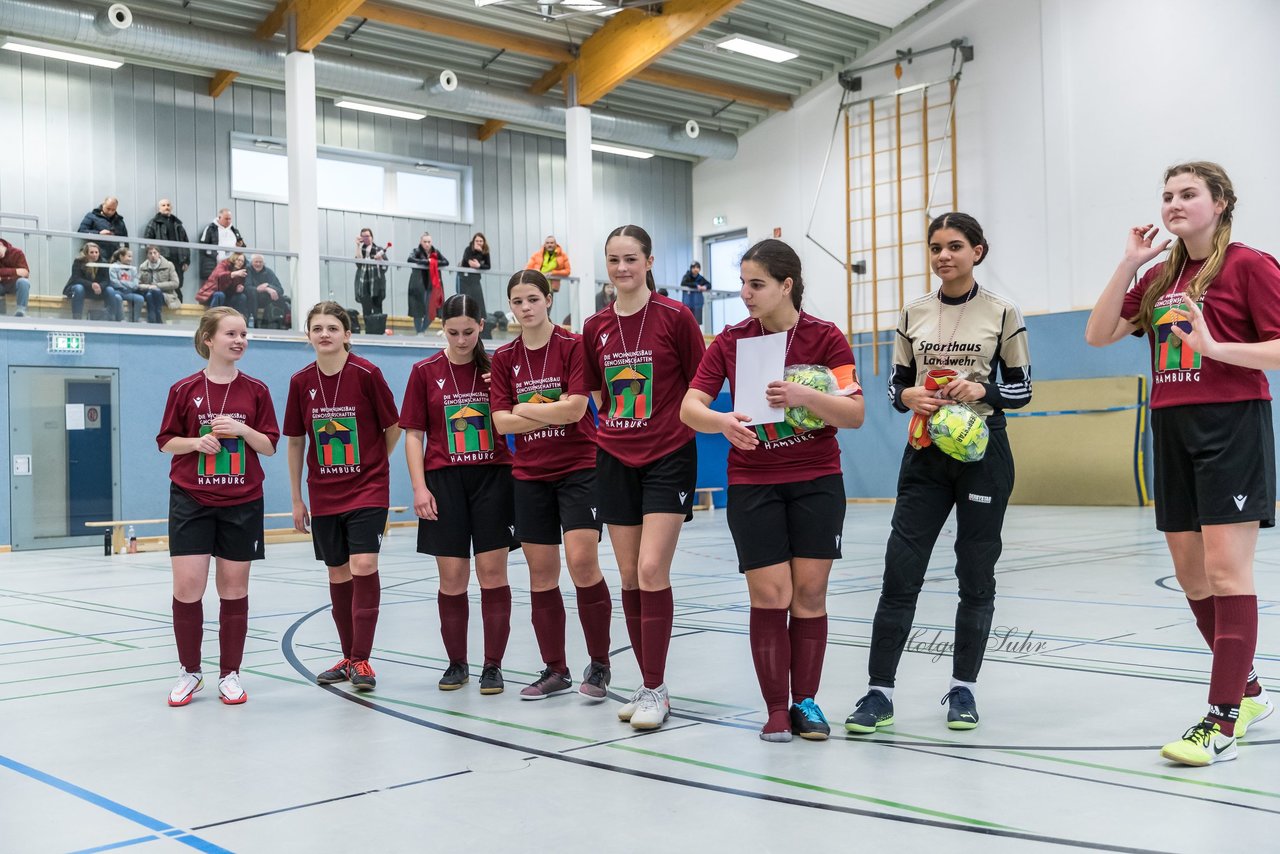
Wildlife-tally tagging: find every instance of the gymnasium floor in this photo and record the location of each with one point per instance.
(92, 759)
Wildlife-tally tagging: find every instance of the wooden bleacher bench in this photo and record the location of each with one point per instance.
(161, 542)
(705, 499)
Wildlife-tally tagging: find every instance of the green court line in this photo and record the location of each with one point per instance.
(813, 787)
(1150, 774)
(1097, 766)
(63, 632)
(382, 698)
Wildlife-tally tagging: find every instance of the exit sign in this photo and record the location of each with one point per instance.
(66, 343)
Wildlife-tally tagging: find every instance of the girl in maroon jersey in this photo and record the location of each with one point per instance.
(639, 355)
(342, 404)
(1211, 313)
(462, 492)
(786, 490)
(539, 396)
(217, 422)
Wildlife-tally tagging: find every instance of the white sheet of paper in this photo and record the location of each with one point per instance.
(761, 360)
(75, 416)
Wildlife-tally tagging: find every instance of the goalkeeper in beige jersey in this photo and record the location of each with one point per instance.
(974, 343)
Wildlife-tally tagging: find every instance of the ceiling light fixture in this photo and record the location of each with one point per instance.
(759, 48)
(625, 152)
(65, 54)
(365, 107)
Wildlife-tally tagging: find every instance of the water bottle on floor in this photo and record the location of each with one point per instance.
(133, 541)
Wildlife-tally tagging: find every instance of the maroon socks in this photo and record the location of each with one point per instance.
(340, 596)
(657, 613)
(595, 612)
(188, 631)
(808, 651)
(366, 595)
(495, 611)
(631, 611)
(233, 627)
(454, 611)
(771, 653)
(548, 627)
(1235, 637)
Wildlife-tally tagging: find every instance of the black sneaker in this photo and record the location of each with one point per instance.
(963, 713)
(455, 676)
(872, 712)
(362, 676)
(808, 722)
(340, 672)
(491, 680)
(595, 682)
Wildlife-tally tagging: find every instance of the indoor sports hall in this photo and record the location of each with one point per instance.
(427, 169)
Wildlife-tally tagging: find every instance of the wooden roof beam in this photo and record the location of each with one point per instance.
(632, 39)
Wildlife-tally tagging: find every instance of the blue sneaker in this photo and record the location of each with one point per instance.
(963, 713)
(807, 721)
(872, 712)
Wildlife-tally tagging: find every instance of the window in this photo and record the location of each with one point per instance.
(354, 180)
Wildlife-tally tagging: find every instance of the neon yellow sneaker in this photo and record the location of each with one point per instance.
(1252, 711)
(1203, 744)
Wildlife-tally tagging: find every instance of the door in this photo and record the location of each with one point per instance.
(723, 253)
(64, 443)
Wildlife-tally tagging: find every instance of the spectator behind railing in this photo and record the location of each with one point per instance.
(165, 226)
(124, 278)
(219, 233)
(606, 296)
(106, 222)
(15, 277)
(426, 286)
(551, 261)
(371, 279)
(228, 285)
(476, 257)
(269, 294)
(692, 287)
(157, 273)
(89, 280)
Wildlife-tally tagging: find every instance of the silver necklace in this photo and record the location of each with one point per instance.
(640, 337)
(455, 379)
(545, 355)
(791, 337)
(208, 400)
(337, 386)
(964, 305)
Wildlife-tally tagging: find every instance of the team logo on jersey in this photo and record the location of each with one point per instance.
(469, 428)
(1239, 500)
(837, 541)
(775, 432)
(337, 441)
(512, 529)
(313, 393)
(604, 338)
(630, 390)
(440, 382)
(546, 395)
(593, 512)
(1171, 353)
(515, 369)
(683, 496)
(199, 400)
(228, 460)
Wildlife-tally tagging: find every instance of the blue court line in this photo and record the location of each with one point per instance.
(161, 829)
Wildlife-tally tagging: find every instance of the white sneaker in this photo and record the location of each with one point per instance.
(652, 709)
(629, 708)
(186, 687)
(230, 690)
(1253, 710)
